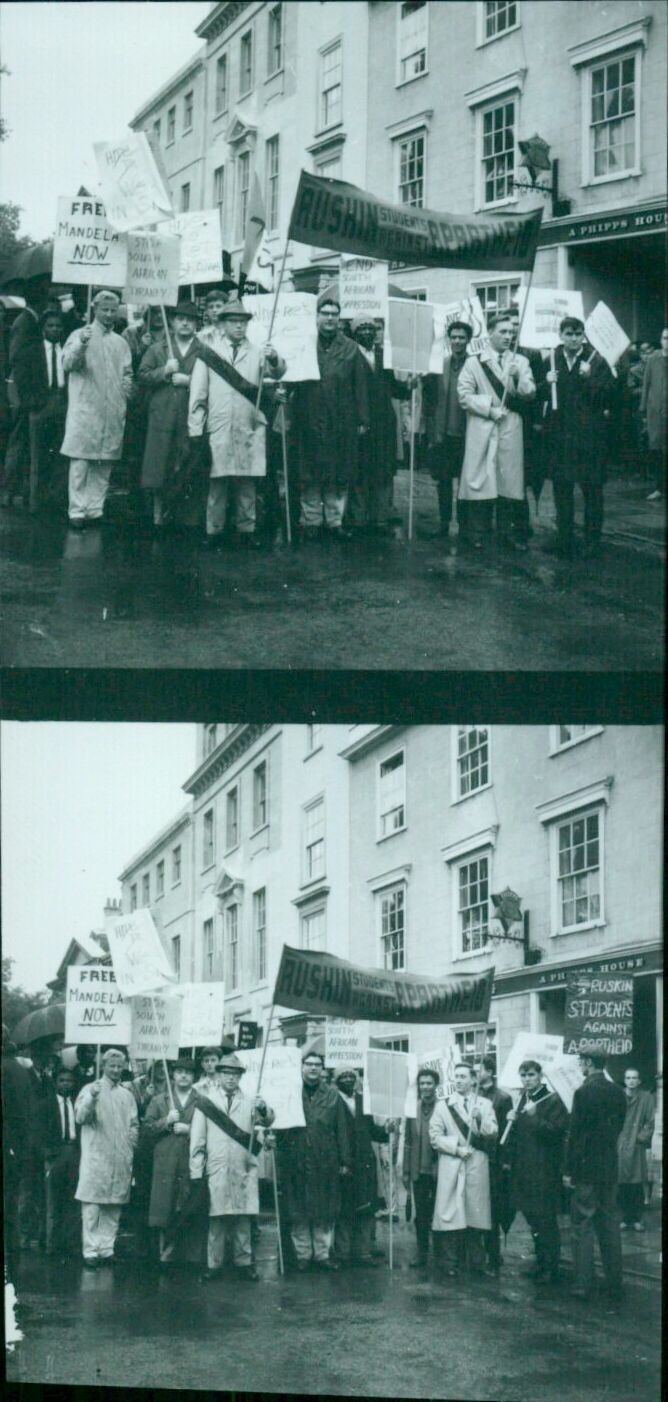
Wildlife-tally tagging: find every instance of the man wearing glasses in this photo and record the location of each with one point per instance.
(535, 1145)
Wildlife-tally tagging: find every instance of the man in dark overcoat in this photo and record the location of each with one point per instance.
(311, 1161)
(62, 1151)
(329, 417)
(359, 1190)
(28, 376)
(167, 1128)
(370, 501)
(502, 1104)
(165, 378)
(535, 1149)
(575, 435)
(597, 1120)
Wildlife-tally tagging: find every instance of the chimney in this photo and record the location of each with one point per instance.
(112, 907)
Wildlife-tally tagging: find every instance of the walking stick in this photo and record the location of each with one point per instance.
(411, 476)
(281, 1267)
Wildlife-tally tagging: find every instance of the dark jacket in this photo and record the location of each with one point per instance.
(435, 399)
(170, 1186)
(327, 414)
(597, 1120)
(310, 1157)
(411, 1164)
(52, 1129)
(536, 1150)
(576, 431)
(27, 362)
(378, 447)
(16, 1127)
(359, 1193)
(167, 433)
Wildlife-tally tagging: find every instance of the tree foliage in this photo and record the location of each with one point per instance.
(11, 241)
(16, 1003)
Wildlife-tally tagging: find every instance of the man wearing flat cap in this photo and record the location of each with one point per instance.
(224, 1138)
(99, 364)
(107, 1113)
(330, 416)
(223, 398)
(597, 1120)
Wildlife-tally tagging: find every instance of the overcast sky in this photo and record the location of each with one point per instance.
(78, 802)
(78, 74)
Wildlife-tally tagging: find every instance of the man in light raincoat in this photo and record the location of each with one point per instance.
(223, 396)
(220, 1146)
(462, 1129)
(493, 469)
(99, 364)
(107, 1113)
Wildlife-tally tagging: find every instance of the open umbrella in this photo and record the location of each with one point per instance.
(36, 261)
(44, 1022)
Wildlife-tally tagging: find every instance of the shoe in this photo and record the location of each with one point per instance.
(623, 1226)
(90, 1263)
(76, 524)
(247, 1273)
(326, 1265)
(105, 1261)
(339, 534)
(303, 1266)
(654, 496)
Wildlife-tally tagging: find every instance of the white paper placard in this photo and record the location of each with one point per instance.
(605, 334)
(95, 1011)
(385, 1082)
(139, 960)
(156, 1028)
(346, 1040)
(153, 270)
(535, 1046)
(202, 1013)
(363, 284)
(565, 1077)
(546, 306)
(200, 245)
(294, 334)
(468, 309)
(86, 248)
(133, 189)
(281, 1082)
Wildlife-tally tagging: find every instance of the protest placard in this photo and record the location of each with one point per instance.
(156, 1028)
(605, 334)
(468, 309)
(442, 1061)
(139, 960)
(200, 245)
(409, 335)
(346, 1041)
(363, 287)
(599, 1008)
(281, 1082)
(153, 270)
(385, 1082)
(537, 1046)
(565, 1076)
(247, 1035)
(86, 249)
(202, 1012)
(294, 334)
(545, 307)
(133, 189)
(95, 1011)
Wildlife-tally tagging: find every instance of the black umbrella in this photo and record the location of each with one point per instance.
(36, 261)
(43, 1022)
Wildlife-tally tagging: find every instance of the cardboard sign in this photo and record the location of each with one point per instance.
(94, 1009)
(605, 334)
(346, 1041)
(139, 960)
(565, 1077)
(363, 287)
(443, 1061)
(86, 249)
(537, 1046)
(200, 246)
(156, 1028)
(469, 309)
(153, 270)
(281, 1082)
(247, 1035)
(409, 335)
(599, 1008)
(385, 1083)
(544, 311)
(294, 334)
(202, 1013)
(133, 188)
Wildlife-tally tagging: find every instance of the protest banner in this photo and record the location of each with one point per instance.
(599, 1008)
(409, 335)
(200, 245)
(346, 1041)
(139, 960)
(281, 1081)
(543, 309)
(469, 309)
(95, 1011)
(313, 981)
(565, 1076)
(333, 214)
(385, 1082)
(543, 1047)
(134, 190)
(442, 1061)
(86, 249)
(606, 335)
(202, 1012)
(294, 333)
(363, 287)
(156, 1027)
(152, 275)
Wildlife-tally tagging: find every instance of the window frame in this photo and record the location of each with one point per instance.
(176, 955)
(234, 792)
(146, 890)
(247, 35)
(272, 181)
(259, 826)
(271, 15)
(222, 66)
(318, 908)
(184, 199)
(556, 823)
(208, 950)
(160, 879)
(157, 128)
(177, 864)
(311, 748)
(482, 38)
(321, 124)
(400, 82)
(379, 895)
(486, 849)
(512, 94)
(219, 204)
(513, 280)
(477, 1029)
(260, 946)
(188, 111)
(457, 795)
(242, 162)
(210, 813)
(557, 747)
(171, 126)
(133, 896)
(400, 140)
(380, 835)
(587, 74)
(317, 802)
(232, 946)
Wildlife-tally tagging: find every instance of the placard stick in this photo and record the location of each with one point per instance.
(391, 1142)
(89, 300)
(271, 321)
(519, 332)
(278, 1216)
(411, 478)
(288, 526)
(554, 402)
(259, 1083)
(162, 1053)
(98, 1058)
(170, 347)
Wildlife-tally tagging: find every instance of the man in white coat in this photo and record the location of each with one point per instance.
(223, 395)
(220, 1144)
(107, 1112)
(99, 364)
(462, 1128)
(493, 388)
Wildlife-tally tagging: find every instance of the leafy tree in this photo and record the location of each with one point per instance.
(16, 1003)
(11, 241)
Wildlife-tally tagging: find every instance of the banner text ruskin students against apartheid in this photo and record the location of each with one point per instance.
(321, 983)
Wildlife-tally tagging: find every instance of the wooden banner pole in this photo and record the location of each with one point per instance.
(271, 321)
(553, 386)
(162, 1052)
(98, 1059)
(391, 1144)
(519, 333)
(281, 1266)
(259, 1083)
(288, 525)
(168, 339)
(89, 302)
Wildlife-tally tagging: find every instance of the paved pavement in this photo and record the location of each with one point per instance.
(109, 597)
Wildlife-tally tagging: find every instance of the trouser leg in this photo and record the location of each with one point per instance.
(246, 505)
(343, 1237)
(444, 487)
(167, 1244)
(216, 505)
(108, 1223)
(311, 507)
(361, 1246)
(334, 507)
(241, 1241)
(215, 1246)
(493, 1246)
(90, 1214)
(593, 511)
(424, 1194)
(547, 1242)
(77, 487)
(631, 1201)
(302, 1240)
(583, 1210)
(99, 474)
(565, 508)
(606, 1223)
(323, 1235)
(475, 1250)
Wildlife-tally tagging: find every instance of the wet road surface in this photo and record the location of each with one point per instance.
(113, 597)
(360, 1332)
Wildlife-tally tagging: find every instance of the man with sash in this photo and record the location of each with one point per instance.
(494, 388)
(536, 1149)
(223, 397)
(224, 1141)
(462, 1129)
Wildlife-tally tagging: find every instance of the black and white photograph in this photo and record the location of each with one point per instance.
(340, 1046)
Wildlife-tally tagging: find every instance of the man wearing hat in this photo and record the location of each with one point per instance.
(597, 1120)
(370, 505)
(330, 416)
(223, 398)
(168, 1129)
(359, 1190)
(107, 1113)
(99, 364)
(166, 379)
(224, 1137)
